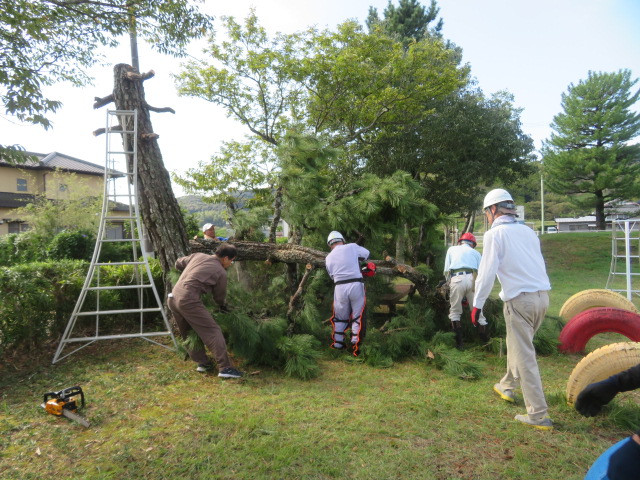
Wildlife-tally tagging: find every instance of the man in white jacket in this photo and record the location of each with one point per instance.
(512, 251)
(343, 266)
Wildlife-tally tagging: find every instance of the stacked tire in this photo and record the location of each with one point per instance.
(587, 314)
(600, 365)
(595, 311)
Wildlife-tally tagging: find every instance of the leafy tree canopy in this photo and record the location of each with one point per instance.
(469, 141)
(343, 83)
(590, 150)
(47, 41)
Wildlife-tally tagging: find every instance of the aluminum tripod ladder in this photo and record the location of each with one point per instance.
(120, 189)
(625, 257)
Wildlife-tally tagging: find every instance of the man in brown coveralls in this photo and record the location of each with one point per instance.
(202, 273)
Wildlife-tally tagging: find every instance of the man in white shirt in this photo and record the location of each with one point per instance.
(512, 251)
(460, 264)
(343, 266)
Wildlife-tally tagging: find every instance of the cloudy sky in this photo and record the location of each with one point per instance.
(532, 49)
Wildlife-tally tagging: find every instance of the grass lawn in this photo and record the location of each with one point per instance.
(154, 417)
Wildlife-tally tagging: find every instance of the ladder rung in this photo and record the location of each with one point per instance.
(125, 152)
(624, 273)
(119, 287)
(113, 312)
(102, 264)
(128, 217)
(110, 240)
(113, 337)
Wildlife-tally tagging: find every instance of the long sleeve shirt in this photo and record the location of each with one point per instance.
(201, 273)
(342, 262)
(461, 256)
(511, 251)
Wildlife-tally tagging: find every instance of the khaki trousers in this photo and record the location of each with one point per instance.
(461, 286)
(523, 316)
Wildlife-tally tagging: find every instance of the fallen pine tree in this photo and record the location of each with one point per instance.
(296, 254)
(269, 327)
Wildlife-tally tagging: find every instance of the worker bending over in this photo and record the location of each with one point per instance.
(343, 266)
(460, 265)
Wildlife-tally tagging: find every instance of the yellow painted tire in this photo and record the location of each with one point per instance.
(595, 297)
(601, 364)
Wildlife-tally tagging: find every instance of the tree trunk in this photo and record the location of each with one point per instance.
(158, 205)
(600, 219)
(471, 218)
(400, 247)
(277, 211)
(417, 246)
(295, 254)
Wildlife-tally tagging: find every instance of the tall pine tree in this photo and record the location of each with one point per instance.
(590, 152)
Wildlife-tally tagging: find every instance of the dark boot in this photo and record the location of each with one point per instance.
(457, 330)
(482, 332)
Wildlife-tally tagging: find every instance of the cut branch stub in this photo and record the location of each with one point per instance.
(101, 102)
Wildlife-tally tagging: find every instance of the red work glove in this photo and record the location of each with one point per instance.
(475, 316)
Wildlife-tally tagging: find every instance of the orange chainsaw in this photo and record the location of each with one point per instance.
(63, 403)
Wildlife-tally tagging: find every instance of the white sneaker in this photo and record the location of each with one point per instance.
(543, 424)
(506, 394)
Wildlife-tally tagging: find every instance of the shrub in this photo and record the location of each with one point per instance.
(21, 248)
(38, 298)
(74, 245)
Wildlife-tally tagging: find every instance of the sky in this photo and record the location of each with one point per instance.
(533, 49)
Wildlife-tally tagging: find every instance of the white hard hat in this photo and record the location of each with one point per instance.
(495, 196)
(334, 237)
(207, 226)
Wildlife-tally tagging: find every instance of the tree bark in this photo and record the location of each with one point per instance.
(277, 211)
(158, 205)
(295, 254)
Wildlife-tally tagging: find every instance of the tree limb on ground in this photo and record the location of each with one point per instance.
(290, 253)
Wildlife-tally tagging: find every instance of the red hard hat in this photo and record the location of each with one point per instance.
(469, 237)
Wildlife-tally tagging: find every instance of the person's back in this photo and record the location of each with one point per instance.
(461, 256)
(342, 262)
(514, 249)
(200, 272)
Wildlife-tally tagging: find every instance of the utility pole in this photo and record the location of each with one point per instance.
(541, 204)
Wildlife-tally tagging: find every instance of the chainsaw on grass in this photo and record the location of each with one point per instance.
(63, 403)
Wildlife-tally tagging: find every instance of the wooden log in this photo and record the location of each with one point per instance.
(290, 253)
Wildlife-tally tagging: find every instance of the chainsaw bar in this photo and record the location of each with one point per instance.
(73, 416)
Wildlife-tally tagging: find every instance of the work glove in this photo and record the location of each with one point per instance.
(595, 396)
(475, 316)
(368, 270)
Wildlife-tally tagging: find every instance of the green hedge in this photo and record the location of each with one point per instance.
(37, 299)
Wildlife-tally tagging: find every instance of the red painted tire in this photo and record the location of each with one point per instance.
(579, 330)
